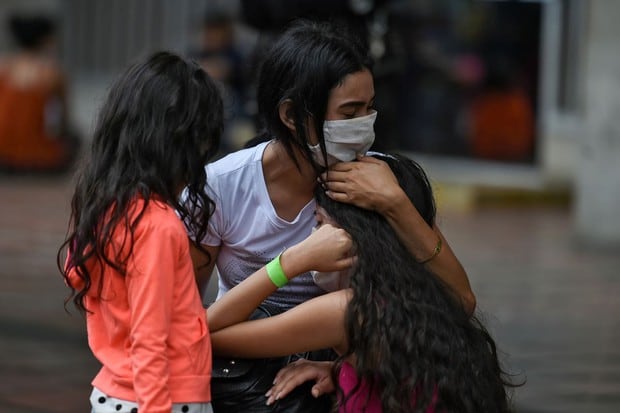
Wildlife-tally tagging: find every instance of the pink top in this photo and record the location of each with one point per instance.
(347, 379)
(149, 329)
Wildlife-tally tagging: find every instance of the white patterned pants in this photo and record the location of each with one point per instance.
(102, 403)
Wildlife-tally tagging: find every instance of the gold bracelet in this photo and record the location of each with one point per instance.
(436, 252)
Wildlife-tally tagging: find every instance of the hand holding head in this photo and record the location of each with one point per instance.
(368, 183)
(326, 249)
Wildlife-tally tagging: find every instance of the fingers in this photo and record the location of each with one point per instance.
(343, 173)
(335, 176)
(347, 166)
(323, 386)
(339, 190)
(341, 167)
(297, 373)
(351, 261)
(357, 177)
(326, 247)
(283, 388)
(291, 376)
(336, 186)
(339, 196)
(337, 233)
(327, 231)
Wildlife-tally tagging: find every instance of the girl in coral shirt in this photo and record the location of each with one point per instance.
(128, 263)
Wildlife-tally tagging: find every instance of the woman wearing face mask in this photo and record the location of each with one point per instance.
(315, 99)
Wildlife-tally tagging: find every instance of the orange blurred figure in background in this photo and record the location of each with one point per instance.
(34, 134)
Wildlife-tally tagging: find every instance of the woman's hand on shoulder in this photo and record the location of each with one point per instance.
(368, 183)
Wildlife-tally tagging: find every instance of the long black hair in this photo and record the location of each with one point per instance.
(413, 342)
(307, 61)
(160, 123)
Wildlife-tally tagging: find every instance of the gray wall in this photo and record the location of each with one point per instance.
(101, 37)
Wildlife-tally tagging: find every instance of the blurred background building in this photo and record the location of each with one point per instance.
(511, 106)
(499, 93)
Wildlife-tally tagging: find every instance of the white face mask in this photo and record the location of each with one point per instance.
(345, 139)
(332, 281)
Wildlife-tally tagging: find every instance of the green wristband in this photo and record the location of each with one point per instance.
(275, 272)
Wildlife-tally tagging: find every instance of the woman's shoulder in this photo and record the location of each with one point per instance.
(238, 158)
(236, 161)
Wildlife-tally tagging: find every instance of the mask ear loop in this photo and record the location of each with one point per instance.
(323, 148)
(310, 150)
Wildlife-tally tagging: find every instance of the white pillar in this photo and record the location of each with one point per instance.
(597, 190)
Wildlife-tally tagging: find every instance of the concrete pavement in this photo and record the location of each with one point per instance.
(551, 304)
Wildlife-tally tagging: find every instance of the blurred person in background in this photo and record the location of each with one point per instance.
(34, 129)
(501, 115)
(221, 57)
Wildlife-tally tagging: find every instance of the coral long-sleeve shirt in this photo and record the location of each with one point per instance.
(149, 328)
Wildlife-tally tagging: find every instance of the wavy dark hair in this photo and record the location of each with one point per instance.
(307, 61)
(410, 335)
(160, 124)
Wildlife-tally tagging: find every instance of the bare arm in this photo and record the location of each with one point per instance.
(371, 184)
(327, 249)
(203, 267)
(315, 324)
(420, 240)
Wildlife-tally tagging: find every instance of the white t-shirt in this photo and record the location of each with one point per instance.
(247, 228)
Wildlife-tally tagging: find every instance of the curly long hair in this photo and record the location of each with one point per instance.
(160, 124)
(413, 342)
